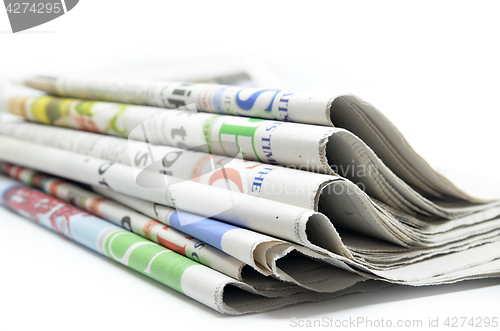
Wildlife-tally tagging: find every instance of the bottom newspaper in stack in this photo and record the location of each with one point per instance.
(169, 264)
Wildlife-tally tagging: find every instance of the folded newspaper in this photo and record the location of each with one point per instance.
(295, 211)
(346, 111)
(166, 266)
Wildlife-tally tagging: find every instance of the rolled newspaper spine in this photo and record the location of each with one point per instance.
(242, 242)
(228, 244)
(298, 225)
(163, 265)
(301, 107)
(289, 144)
(298, 188)
(129, 219)
(264, 253)
(211, 288)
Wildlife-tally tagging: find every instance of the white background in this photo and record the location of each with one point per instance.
(431, 67)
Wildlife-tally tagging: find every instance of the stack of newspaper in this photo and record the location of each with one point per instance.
(242, 198)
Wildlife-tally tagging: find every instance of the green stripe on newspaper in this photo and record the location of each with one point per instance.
(147, 258)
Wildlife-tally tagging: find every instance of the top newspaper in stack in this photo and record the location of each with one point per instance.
(345, 111)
